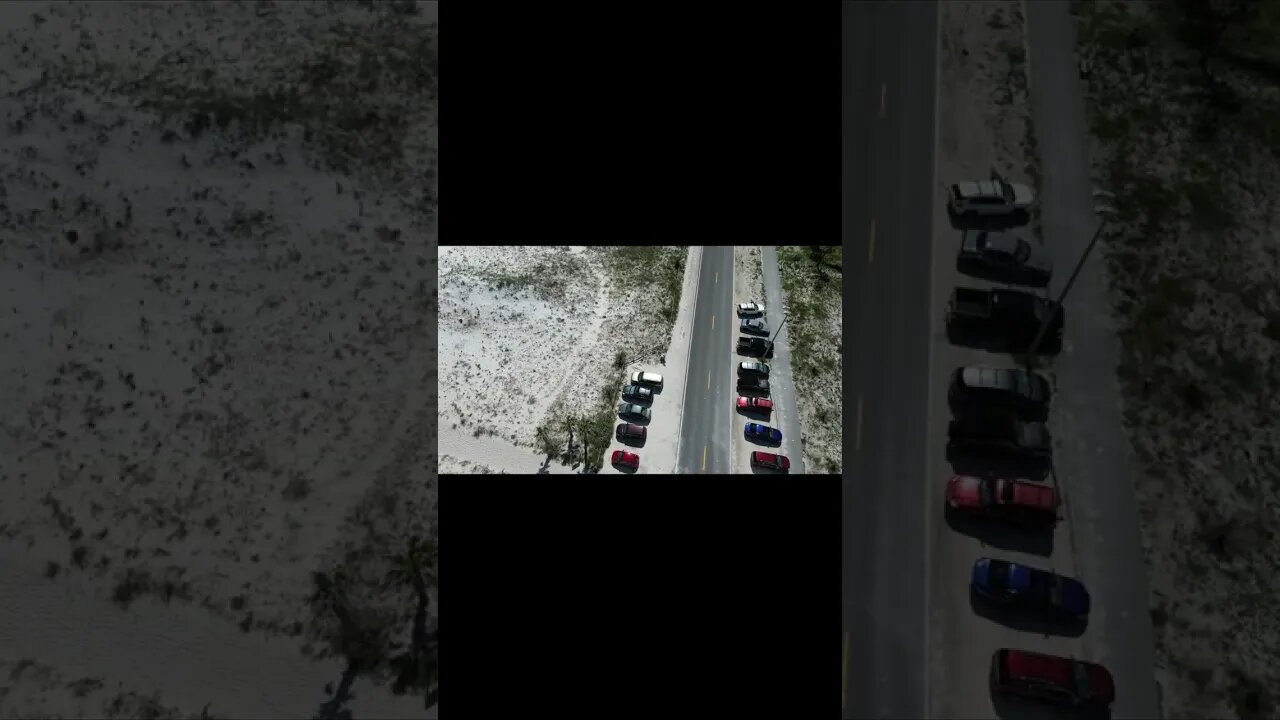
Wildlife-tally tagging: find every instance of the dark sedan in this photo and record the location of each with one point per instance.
(1031, 590)
(763, 433)
(1004, 257)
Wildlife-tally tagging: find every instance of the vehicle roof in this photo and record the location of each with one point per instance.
(980, 188)
(987, 377)
(1033, 495)
(1060, 671)
(1035, 666)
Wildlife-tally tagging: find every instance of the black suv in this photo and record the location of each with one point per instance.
(977, 388)
(753, 384)
(1000, 433)
(755, 347)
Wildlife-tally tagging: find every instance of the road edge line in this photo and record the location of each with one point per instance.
(933, 319)
(684, 390)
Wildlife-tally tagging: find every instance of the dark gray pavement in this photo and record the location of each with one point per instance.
(706, 429)
(1092, 453)
(888, 78)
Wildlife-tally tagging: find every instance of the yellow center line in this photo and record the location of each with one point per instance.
(858, 436)
(844, 674)
(713, 322)
(871, 245)
(708, 379)
(704, 458)
(717, 277)
(883, 89)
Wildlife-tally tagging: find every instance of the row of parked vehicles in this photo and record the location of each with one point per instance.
(999, 443)
(753, 387)
(636, 406)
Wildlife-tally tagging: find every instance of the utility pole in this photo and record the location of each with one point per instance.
(775, 332)
(1104, 212)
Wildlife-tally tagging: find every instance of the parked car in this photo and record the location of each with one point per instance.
(637, 392)
(1053, 679)
(753, 384)
(1014, 389)
(1020, 502)
(647, 378)
(1000, 433)
(626, 459)
(769, 461)
(754, 346)
(631, 410)
(989, 197)
(631, 432)
(1031, 590)
(753, 368)
(755, 404)
(750, 309)
(753, 326)
(1014, 315)
(1004, 257)
(764, 433)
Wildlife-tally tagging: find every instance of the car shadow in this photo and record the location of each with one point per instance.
(753, 392)
(762, 441)
(995, 465)
(1015, 708)
(624, 469)
(639, 401)
(755, 415)
(983, 272)
(999, 343)
(1018, 218)
(1023, 621)
(634, 420)
(1001, 535)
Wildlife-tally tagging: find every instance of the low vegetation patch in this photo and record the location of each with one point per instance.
(1183, 103)
(812, 278)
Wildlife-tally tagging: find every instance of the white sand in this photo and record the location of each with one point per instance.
(509, 356)
(210, 383)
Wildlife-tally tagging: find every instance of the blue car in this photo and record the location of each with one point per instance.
(756, 431)
(1019, 587)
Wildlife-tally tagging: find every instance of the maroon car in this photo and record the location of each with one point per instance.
(631, 432)
(1058, 680)
(626, 459)
(1018, 501)
(755, 404)
(769, 461)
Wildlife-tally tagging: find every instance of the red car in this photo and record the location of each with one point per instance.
(770, 461)
(1018, 501)
(626, 459)
(1059, 680)
(755, 404)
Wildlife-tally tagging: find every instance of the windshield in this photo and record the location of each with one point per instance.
(998, 574)
(986, 493)
(1081, 676)
(1006, 493)
(1023, 251)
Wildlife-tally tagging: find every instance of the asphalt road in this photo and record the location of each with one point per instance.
(888, 77)
(1093, 457)
(705, 443)
(786, 415)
